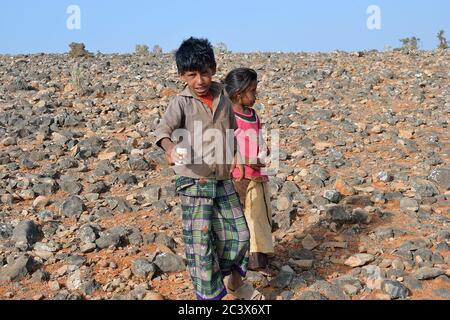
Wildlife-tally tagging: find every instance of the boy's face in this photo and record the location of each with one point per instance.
(199, 82)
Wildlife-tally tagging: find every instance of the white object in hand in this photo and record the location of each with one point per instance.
(181, 156)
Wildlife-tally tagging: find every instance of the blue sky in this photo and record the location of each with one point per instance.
(30, 26)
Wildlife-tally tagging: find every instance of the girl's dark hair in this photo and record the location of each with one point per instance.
(195, 55)
(239, 80)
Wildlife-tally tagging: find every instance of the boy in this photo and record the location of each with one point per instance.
(215, 231)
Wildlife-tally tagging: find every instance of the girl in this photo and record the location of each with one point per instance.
(241, 86)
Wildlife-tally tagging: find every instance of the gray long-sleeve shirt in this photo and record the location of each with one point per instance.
(207, 135)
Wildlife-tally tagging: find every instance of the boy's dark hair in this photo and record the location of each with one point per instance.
(239, 80)
(195, 55)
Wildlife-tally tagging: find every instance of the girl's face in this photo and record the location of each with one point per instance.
(248, 97)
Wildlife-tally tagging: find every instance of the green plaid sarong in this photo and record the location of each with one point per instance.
(215, 234)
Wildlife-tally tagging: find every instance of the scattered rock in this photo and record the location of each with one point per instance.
(394, 289)
(309, 243)
(426, 273)
(72, 206)
(143, 268)
(26, 233)
(169, 262)
(409, 204)
(359, 260)
(311, 295)
(18, 269)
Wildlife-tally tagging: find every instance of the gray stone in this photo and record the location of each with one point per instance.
(404, 254)
(104, 168)
(394, 289)
(151, 194)
(88, 247)
(358, 201)
(345, 280)
(287, 295)
(127, 178)
(6, 230)
(108, 240)
(89, 287)
(384, 176)
(75, 260)
(412, 283)
(442, 292)
(413, 245)
(138, 164)
(424, 188)
(437, 258)
(88, 234)
(359, 260)
(161, 207)
(319, 172)
(319, 201)
(441, 246)
(311, 295)
(409, 204)
(361, 216)
(143, 268)
(45, 215)
(72, 206)
(71, 186)
(44, 189)
(337, 214)
(257, 279)
(384, 233)
(297, 283)
(282, 280)
(284, 202)
(169, 262)
(443, 235)
(26, 233)
(27, 163)
(119, 204)
(98, 187)
(149, 238)
(165, 240)
(329, 290)
(40, 276)
(74, 281)
(135, 238)
(395, 274)
(90, 147)
(301, 254)
(283, 220)
(441, 177)
(426, 273)
(332, 195)
(424, 253)
(17, 269)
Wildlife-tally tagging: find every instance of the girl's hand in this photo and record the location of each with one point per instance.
(237, 164)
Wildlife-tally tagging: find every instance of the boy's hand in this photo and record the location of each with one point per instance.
(168, 147)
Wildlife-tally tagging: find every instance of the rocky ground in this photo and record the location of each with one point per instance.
(361, 202)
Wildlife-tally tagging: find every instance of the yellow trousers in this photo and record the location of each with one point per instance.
(258, 213)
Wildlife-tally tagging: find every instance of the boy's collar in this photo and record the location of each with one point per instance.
(216, 88)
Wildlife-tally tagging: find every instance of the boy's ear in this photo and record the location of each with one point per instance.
(214, 70)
